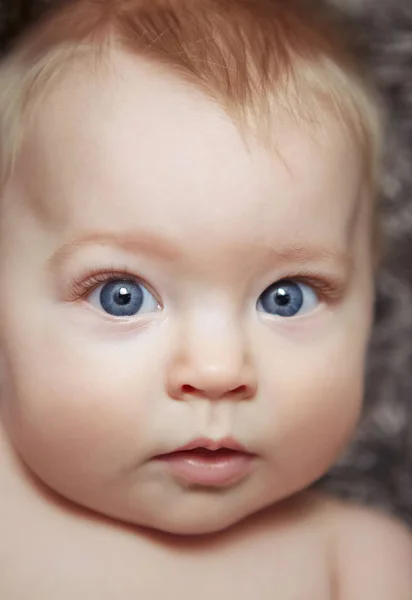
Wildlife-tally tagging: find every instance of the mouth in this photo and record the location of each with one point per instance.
(209, 463)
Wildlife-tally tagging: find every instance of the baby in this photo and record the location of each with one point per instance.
(187, 256)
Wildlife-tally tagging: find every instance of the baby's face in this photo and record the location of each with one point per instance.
(164, 285)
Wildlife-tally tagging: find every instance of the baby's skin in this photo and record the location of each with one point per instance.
(184, 319)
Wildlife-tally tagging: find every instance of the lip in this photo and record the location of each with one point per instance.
(209, 463)
(214, 445)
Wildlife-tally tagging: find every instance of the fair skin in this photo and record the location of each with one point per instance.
(147, 182)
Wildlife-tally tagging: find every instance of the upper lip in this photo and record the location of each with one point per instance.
(213, 445)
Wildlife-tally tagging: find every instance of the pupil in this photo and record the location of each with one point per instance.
(123, 296)
(282, 297)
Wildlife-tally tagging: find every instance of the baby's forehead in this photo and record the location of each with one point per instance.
(132, 128)
(94, 87)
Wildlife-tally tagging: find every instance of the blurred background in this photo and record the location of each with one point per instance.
(377, 468)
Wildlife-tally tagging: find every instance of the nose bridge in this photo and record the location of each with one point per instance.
(212, 357)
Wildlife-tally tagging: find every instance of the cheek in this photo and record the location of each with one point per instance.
(315, 410)
(320, 416)
(69, 404)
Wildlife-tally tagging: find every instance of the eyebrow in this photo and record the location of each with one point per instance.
(312, 253)
(135, 243)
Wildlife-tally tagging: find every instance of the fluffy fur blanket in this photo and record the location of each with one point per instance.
(378, 466)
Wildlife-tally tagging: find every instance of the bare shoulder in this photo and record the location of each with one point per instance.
(372, 552)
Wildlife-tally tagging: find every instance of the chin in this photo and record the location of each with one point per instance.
(202, 521)
(192, 527)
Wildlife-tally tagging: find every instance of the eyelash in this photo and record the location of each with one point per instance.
(328, 290)
(81, 287)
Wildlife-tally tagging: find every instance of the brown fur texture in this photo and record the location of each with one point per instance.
(377, 468)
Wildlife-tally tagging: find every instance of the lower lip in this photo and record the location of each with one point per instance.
(209, 469)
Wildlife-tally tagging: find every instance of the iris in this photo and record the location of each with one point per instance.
(286, 299)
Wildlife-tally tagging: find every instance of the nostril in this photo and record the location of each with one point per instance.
(189, 389)
(240, 391)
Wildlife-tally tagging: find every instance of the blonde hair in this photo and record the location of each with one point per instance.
(245, 54)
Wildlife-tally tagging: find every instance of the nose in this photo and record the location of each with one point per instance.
(211, 360)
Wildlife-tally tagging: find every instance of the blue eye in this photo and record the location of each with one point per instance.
(287, 299)
(123, 298)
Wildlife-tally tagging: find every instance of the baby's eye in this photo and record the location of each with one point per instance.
(123, 298)
(287, 299)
